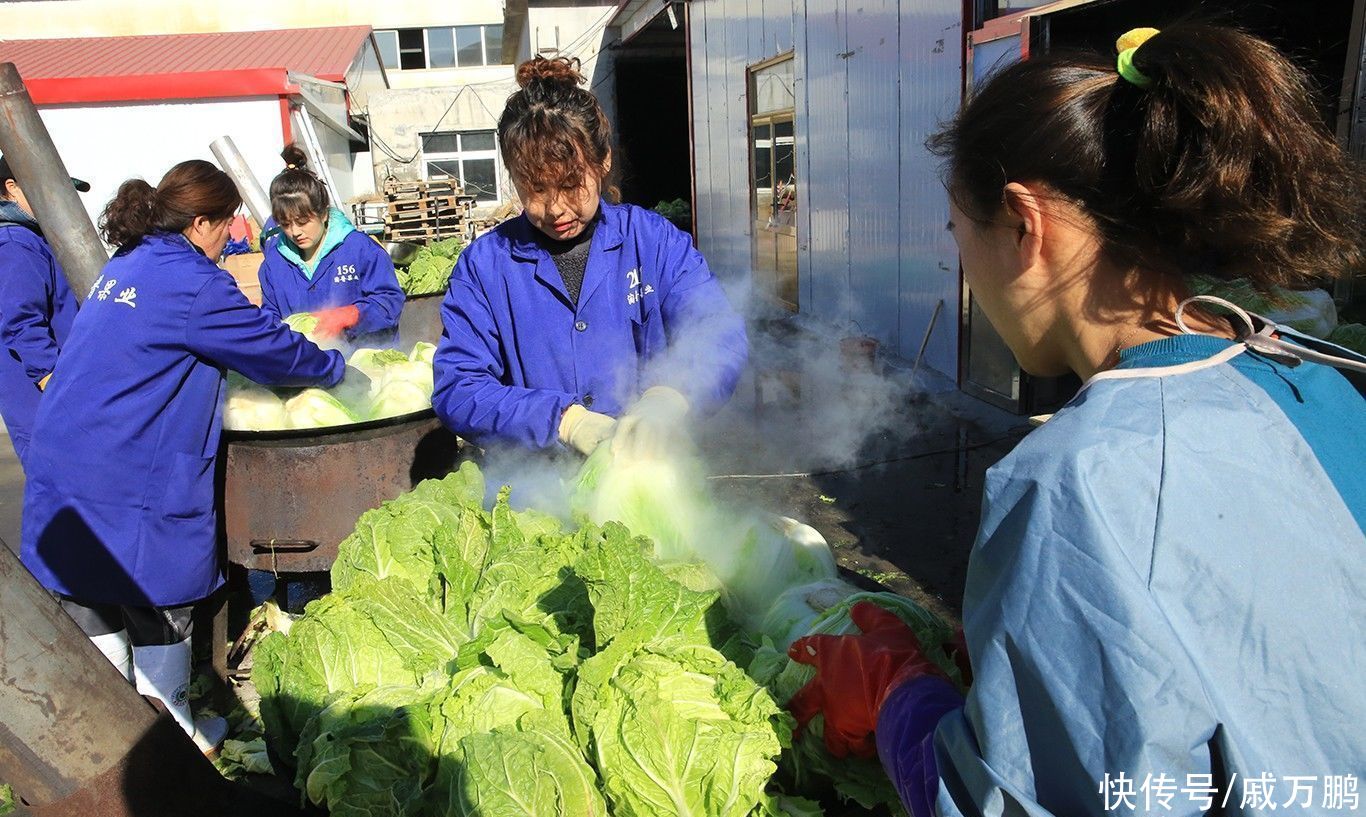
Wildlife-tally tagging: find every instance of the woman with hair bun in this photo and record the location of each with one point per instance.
(320, 263)
(580, 319)
(119, 508)
(1160, 604)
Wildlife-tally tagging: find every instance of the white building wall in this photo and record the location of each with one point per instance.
(473, 98)
(399, 117)
(108, 18)
(110, 143)
(583, 34)
(873, 79)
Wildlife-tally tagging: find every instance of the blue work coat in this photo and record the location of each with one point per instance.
(515, 351)
(1166, 596)
(120, 506)
(352, 270)
(36, 310)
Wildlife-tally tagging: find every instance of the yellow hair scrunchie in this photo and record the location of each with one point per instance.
(1127, 44)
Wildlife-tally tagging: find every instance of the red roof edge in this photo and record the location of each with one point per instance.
(156, 87)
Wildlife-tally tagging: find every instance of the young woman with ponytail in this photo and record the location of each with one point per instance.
(1161, 600)
(119, 508)
(580, 319)
(320, 263)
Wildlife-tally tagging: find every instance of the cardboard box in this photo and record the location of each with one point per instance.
(244, 269)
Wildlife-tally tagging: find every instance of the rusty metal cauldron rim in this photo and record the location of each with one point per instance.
(308, 435)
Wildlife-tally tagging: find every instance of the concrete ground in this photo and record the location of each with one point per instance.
(11, 493)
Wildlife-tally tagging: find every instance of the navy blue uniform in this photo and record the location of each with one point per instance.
(351, 269)
(36, 310)
(516, 350)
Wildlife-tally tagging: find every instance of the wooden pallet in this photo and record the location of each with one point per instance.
(430, 229)
(423, 204)
(442, 224)
(395, 191)
(447, 213)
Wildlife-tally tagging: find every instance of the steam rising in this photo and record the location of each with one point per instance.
(805, 401)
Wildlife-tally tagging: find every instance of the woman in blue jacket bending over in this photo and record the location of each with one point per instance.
(320, 263)
(36, 310)
(1161, 601)
(579, 311)
(119, 509)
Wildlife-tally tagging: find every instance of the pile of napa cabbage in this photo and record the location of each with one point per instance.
(474, 659)
(394, 384)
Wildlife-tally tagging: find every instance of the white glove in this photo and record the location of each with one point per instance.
(583, 430)
(650, 427)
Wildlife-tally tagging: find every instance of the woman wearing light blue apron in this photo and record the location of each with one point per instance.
(1164, 603)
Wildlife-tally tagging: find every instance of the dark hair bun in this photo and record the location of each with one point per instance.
(559, 71)
(294, 156)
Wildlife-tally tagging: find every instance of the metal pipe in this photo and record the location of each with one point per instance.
(230, 159)
(925, 341)
(69, 716)
(39, 170)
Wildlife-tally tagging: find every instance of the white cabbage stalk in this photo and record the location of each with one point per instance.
(797, 608)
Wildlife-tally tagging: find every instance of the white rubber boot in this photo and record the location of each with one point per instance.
(164, 673)
(118, 650)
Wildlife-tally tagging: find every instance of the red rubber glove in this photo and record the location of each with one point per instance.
(332, 322)
(854, 673)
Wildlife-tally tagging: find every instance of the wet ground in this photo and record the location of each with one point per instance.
(887, 465)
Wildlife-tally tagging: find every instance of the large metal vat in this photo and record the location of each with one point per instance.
(290, 497)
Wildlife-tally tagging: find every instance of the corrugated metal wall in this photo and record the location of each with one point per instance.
(873, 79)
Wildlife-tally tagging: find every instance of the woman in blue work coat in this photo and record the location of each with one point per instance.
(36, 310)
(320, 263)
(579, 311)
(1161, 601)
(119, 510)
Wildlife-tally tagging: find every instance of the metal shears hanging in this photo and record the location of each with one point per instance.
(1269, 339)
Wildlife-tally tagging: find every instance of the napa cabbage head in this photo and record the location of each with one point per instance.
(369, 752)
(377, 632)
(1350, 336)
(302, 322)
(316, 408)
(373, 361)
(676, 729)
(251, 408)
(399, 398)
(754, 556)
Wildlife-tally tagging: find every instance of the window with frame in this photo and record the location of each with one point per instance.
(773, 178)
(409, 49)
(983, 10)
(388, 48)
(469, 157)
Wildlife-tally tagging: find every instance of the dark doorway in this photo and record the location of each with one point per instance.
(653, 130)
